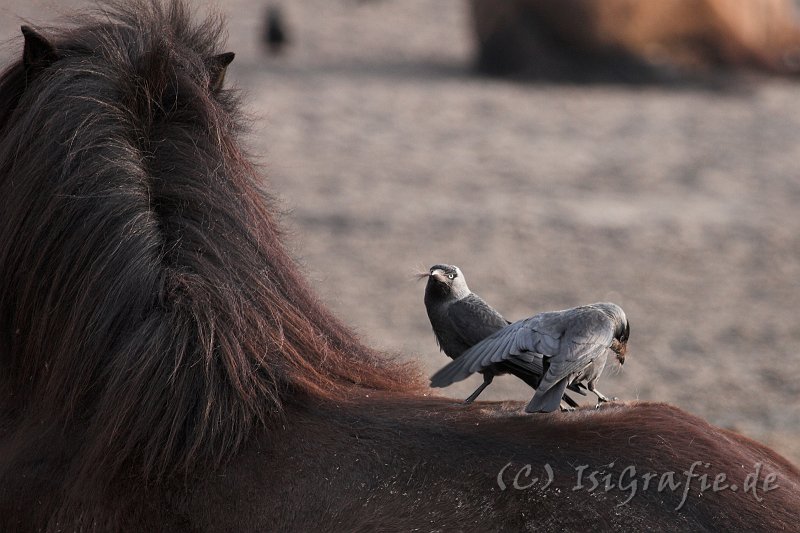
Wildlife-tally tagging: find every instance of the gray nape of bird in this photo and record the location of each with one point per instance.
(461, 319)
(572, 343)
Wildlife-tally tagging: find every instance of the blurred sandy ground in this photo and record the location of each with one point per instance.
(680, 205)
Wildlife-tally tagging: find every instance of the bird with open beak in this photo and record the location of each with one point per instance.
(461, 319)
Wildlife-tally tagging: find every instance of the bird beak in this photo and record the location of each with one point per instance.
(620, 348)
(438, 275)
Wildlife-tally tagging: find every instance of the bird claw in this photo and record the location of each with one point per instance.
(602, 400)
(567, 409)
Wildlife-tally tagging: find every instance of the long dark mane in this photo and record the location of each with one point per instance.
(145, 296)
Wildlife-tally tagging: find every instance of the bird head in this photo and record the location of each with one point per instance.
(620, 343)
(445, 282)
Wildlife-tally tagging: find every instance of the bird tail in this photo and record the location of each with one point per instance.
(450, 373)
(548, 400)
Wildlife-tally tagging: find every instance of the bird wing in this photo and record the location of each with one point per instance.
(473, 319)
(516, 344)
(588, 333)
(530, 367)
(561, 372)
(568, 339)
(577, 356)
(549, 400)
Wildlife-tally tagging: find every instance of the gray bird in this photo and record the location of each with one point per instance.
(461, 319)
(573, 343)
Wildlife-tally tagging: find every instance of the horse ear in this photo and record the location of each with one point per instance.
(38, 52)
(217, 66)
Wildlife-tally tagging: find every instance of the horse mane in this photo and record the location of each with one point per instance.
(145, 294)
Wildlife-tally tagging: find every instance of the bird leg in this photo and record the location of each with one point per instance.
(571, 404)
(601, 398)
(578, 387)
(487, 379)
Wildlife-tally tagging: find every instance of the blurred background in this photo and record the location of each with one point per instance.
(601, 165)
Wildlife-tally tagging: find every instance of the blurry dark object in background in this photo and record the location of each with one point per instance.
(582, 40)
(274, 35)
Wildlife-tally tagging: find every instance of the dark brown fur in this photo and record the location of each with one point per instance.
(143, 288)
(164, 366)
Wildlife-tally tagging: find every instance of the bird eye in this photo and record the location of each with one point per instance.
(451, 276)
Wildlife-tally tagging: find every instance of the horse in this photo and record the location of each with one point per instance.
(631, 40)
(165, 366)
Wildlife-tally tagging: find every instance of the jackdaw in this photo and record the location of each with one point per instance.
(461, 319)
(574, 344)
